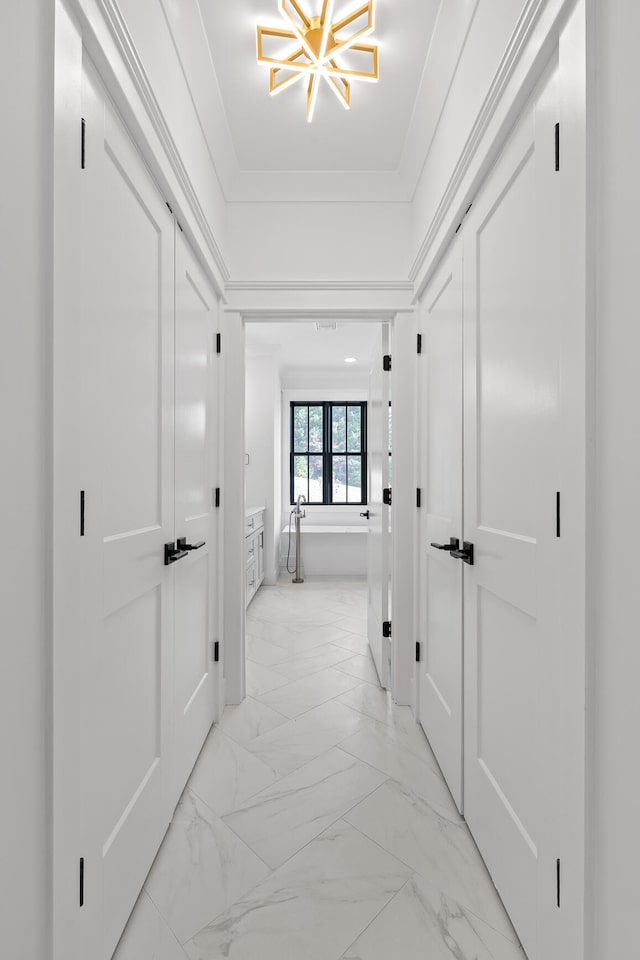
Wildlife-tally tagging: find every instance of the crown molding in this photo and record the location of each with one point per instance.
(319, 285)
(511, 87)
(119, 34)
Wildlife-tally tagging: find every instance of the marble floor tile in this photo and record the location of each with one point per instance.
(421, 923)
(292, 744)
(357, 625)
(301, 695)
(147, 936)
(376, 703)
(262, 679)
(311, 661)
(353, 641)
(226, 774)
(262, 651)
(283, 818)
(249, 719)
(405, 756)
(305, 636)
(201, 869)
(312, 908)
(361, 666)
(437, 846)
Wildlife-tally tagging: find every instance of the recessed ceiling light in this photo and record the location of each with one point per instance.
(318, 41)
(350, 360)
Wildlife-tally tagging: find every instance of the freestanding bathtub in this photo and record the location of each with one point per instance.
(328, 549)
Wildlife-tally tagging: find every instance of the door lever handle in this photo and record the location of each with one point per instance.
(365, 514)
(183, 545)
(466, 554)
(171, 555)
(453, 544)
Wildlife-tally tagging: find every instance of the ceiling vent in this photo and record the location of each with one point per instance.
(323, 325)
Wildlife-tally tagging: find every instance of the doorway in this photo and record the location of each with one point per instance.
(316, 443)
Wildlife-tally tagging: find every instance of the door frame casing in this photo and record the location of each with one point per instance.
(288, 303)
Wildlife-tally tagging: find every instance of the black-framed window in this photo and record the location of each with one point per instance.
(328, 461)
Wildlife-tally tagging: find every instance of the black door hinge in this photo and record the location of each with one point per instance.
(83, 143)
(557, 140)
(82, 502)
(218, 343)
(82, 881)
(418, 498)
(558, 514)
(558, 883)
(169, 208)
(419, 343)
(386, 363)
(216, 651)
(386, 496)
(386, 629)
(417, 651)
(217, 497)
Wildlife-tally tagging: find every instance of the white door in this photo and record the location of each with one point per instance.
(194, 684)
(128, 277)
(440, 575)
(378, 545)
(511, 422)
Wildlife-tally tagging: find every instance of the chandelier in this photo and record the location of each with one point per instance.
(321, 44)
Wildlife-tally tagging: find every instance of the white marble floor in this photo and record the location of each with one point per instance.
(316, 824)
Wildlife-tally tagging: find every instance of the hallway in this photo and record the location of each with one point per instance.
(316, 823)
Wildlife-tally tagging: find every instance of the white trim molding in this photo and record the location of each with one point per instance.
(537, 30)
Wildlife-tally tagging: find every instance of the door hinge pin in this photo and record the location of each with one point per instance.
(218, 343)
(82, 881)
(557, 144)
(82, 504)
(216, 497)
(558, 514)
(216, 651)
(418, 498)
(417, 651)
(558, 883)
(419, 343)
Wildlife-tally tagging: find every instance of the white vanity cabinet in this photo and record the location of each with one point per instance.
(253, 551)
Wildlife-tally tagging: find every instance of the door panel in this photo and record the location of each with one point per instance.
(128, 244)
(195, 576)
(440, 593)
(378, 545)
(511, 424)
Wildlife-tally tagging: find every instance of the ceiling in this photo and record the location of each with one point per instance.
(300, 346)
(271, 133)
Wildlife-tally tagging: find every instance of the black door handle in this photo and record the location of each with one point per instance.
(365, 514)
(183, 545)
(453, 544)
(171, 555)
(465, 554)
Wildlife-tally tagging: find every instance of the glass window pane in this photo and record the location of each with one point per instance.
(300, 429)
(339, 421)
(316, 429)
(300, 477)
(354, 429)
(339, 484)
(316, 491)
(354, 473)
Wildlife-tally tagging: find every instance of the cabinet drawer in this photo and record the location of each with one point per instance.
(250, 549)
(253, 522)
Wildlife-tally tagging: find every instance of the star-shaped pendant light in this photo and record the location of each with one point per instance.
(320, 45)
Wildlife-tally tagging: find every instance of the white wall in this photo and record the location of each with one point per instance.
(26, 69)
(614, 708)
(263, 445)
(319, 241)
